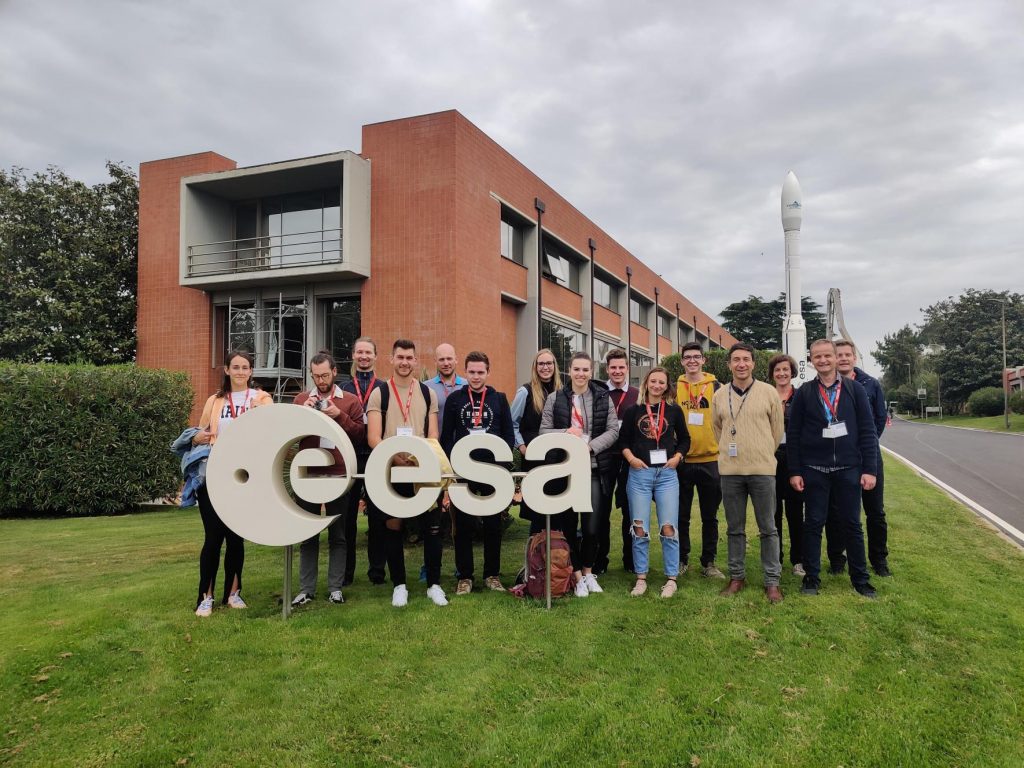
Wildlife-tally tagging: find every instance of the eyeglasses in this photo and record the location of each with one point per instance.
(322, 376)
(693, 357)
(546, 365)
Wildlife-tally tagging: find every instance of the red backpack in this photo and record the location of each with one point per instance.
(561, 565)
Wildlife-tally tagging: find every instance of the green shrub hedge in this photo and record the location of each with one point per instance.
(987, 401)
(1017, 402)
(87, 440)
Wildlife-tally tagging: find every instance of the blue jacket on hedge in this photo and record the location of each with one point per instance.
(805, 445)
(193, 465)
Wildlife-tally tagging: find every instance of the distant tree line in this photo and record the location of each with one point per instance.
(758, 321)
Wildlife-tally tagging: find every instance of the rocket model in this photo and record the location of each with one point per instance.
(794, 332)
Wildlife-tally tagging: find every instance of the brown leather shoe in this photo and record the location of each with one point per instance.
(735, 585)
(773, 593)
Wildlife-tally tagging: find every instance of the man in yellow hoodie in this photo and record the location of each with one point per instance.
(699, 469)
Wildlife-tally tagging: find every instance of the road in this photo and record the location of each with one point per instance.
(986, 467)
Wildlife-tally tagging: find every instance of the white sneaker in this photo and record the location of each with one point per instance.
(301, 599)
(336, 597)
(205, 607)
(235, 600)
(798, 570)
(592, 586)
(581, 588)
(437, 596)
(400, 597)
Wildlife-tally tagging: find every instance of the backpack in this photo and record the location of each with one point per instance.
(385, 401)
(561, 565)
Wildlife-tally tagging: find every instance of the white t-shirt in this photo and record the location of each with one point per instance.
(235, 405)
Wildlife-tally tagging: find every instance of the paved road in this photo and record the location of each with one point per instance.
(986, 467)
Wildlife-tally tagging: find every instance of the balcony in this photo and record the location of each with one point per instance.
(231, 257)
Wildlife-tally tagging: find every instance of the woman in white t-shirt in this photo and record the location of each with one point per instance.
(235, 396)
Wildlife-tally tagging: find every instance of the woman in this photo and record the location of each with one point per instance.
(654, 439)
(235, 397)
(527, 407)
(584, 409)
(781, 369)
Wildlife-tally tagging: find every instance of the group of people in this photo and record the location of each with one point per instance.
(809, 455)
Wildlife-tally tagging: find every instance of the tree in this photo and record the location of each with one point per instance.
(759, 322)
(899, 354)
(68, 267)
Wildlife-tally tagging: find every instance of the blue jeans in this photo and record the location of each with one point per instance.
(661, 484)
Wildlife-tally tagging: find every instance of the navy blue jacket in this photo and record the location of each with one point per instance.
(458, 417)
(805, 446)
(879, 409)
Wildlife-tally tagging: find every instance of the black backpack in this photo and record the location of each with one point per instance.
(385, 401)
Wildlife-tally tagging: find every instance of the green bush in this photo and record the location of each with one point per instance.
(987, 401)
(1017, 402)
(86, 440)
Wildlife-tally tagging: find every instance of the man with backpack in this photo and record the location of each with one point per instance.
(405, 407)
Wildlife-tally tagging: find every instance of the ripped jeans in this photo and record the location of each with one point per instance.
(662, 485)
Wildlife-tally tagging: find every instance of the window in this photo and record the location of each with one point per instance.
(638, 313)
(638, 366)
(602, 348)
(560, 267)
(289, 230)
(606, 294)
(665, 326)
(342, 319)
(513, 236)
(562, 341)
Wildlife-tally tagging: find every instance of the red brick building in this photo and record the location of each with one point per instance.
(433, 232)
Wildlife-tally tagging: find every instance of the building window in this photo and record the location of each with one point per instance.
(638, 313)
(606, 294)
(639, 364)
(560, 267)
(342, 318)
(513, 237)
(288, 230)
(562, 341)
(601, 349)
(665, 326)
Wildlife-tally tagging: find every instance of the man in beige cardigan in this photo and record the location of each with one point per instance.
(748, 421)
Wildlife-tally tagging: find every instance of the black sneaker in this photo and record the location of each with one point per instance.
(866, 590)
(837, 569)
(809, 586)
(882, 569)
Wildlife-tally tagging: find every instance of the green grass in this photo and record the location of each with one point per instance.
(992, 423)
(102, 662)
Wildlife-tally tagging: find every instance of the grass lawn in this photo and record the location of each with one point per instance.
(103, 663)
(992, 423)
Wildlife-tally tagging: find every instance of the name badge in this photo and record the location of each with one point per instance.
(365, 420)
(477, 431)
(659, 456)
(404, 432)
(327, 444)
(783, 439)
(836, 429)
(619, 424)
(697, 419)
(733, 450)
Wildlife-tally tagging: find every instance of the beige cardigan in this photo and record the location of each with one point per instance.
(759, 429)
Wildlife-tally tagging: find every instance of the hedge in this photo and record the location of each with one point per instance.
(987, 401)
(87, 440)
(1017, 402)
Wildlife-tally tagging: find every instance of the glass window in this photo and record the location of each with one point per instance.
(302, 228)
(562, 341)
(639, 364)
(638, 313)
(606, 294)
(512, 237)
(561, 268)
(343, 322)
(665, 326)
(601, 349)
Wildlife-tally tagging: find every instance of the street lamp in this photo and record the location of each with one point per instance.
(910, 376)
(1002, 373)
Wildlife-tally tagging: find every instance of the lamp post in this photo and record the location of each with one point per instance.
(1002, 373)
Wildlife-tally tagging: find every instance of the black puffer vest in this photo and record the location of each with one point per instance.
(607, 460)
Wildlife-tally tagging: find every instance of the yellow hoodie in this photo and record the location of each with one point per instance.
(695, 399)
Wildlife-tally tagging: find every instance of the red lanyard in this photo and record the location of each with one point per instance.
(478, 413)
(408, 401)
(448, 390)
(694, 402)
(618, 403)
(245, 403)
(660, 425)
(576, 415)
(833, 407)
(359, 393)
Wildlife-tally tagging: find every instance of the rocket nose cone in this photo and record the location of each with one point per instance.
(792, 203)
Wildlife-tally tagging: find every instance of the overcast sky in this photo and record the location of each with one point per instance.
(670, 124)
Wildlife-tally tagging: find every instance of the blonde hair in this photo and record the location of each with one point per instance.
(667, 397)
(537, 393)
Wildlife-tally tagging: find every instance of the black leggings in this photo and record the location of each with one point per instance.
(216, 533)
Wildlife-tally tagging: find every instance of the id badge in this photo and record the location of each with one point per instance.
(404, 432)
(365, 419)
(839, 429)
(697, 419)
(619, 423)
(326, 444)
(585, 437)
(659, 456)
(783, 442)
(477, 431)
(733, 450)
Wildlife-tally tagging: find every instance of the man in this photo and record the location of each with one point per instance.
(446, 381)
(405, 407)
(747, 419)
(699, 470)
(874, 508)
(335, 403)
(364, 381)
(623, 398)
(832, 448)
(477, 409)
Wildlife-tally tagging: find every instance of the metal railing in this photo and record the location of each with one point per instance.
(266, 252)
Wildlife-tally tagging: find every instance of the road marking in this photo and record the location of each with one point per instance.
(1015, 535)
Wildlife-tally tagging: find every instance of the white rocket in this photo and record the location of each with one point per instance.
(794, 331)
